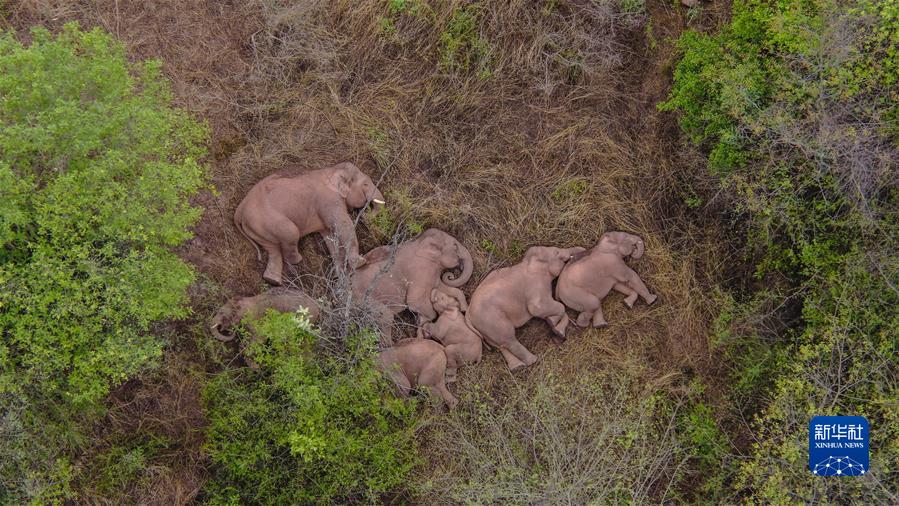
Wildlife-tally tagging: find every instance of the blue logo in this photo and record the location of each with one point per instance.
(838, 445)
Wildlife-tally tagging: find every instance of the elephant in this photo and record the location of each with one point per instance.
(251, 308)
(417, 362)
(279, 210)
(401, 277)
(587, 280)
(462, 345)
(509, 297)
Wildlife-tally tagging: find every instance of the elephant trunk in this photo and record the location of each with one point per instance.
(467, 269)
(377, 198)
(216, 329)
(638, 249)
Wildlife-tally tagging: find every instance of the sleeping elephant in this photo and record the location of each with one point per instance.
(401, 277)
(279, 210)
(461, 344)
(252, 308)
(511, 296)
(587, 280)
(417, 362)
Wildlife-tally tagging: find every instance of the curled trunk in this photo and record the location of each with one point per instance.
(467, 268)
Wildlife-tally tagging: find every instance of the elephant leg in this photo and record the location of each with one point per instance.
(584, 318)
(385, 323)
(511, 360)
(434, 376)
(401, 381)
(599, 321)
(629, 293)
(272, 272)
(522, 353)
(347, 244)
(633, 281)
(552, 311)
(288, 237)
(453, 361)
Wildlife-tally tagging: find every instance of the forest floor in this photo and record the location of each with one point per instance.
(538, 126)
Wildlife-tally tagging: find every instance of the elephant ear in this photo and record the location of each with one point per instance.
(430, 247)
(535, 261)
(339, 181)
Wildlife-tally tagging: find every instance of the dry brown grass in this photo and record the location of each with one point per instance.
(558, 144)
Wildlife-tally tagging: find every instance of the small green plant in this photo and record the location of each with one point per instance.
(461, 47)
(633, 6)
(569, 190)
(312, 426)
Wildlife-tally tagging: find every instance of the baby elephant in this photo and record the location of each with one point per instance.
(417, 362)
(461, 344)
(587, 280)
(511, 296)
(279, 299)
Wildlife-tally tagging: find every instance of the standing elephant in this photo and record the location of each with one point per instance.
(511, 296)
(394, 279)
(417, 362)
(279, 210)
(587, 280)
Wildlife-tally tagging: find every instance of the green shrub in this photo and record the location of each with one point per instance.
(311, 426)
(796, 103)
(96, 171)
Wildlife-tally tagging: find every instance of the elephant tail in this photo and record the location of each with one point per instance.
(239, 223)
(472, 327)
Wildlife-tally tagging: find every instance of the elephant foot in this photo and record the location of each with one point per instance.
(293, 259)
(356, 262)
(511, 360)
(451, 376)
(600, 325)
(272, 278)
(560, 328)
(630, 300)
(583, 319)
(651, 299)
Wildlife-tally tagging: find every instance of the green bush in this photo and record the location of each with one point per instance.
(96, 171)
(796, 105)
(310, 426)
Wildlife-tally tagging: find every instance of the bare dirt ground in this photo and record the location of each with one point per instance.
(549, 136)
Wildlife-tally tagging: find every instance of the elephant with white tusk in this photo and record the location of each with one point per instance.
(396, 278)
(509, 297)
(587, 280)
(279, 210)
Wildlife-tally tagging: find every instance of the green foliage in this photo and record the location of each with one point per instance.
(461, 47)
(310, 426)
(95, 177)
(794, 102)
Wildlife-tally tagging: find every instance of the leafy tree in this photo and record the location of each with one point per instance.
(95, 175)
(796, 103)
(311, 426)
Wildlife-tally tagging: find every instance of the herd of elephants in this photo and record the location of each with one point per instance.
(418, 276)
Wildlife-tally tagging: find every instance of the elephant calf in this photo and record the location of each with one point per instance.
(511, 296)
(462, 345)
(587, 280)
(252, 308)
(417, 362)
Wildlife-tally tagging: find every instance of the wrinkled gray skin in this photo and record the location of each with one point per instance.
(279, 210)
(391, 281)
(588, 279)
(509, 297)
(462, 345)
(252, 308)
(411, 363)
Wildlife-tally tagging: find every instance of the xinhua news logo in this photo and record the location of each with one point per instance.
(838, 445)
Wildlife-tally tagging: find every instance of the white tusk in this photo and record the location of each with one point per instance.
(376, 201)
